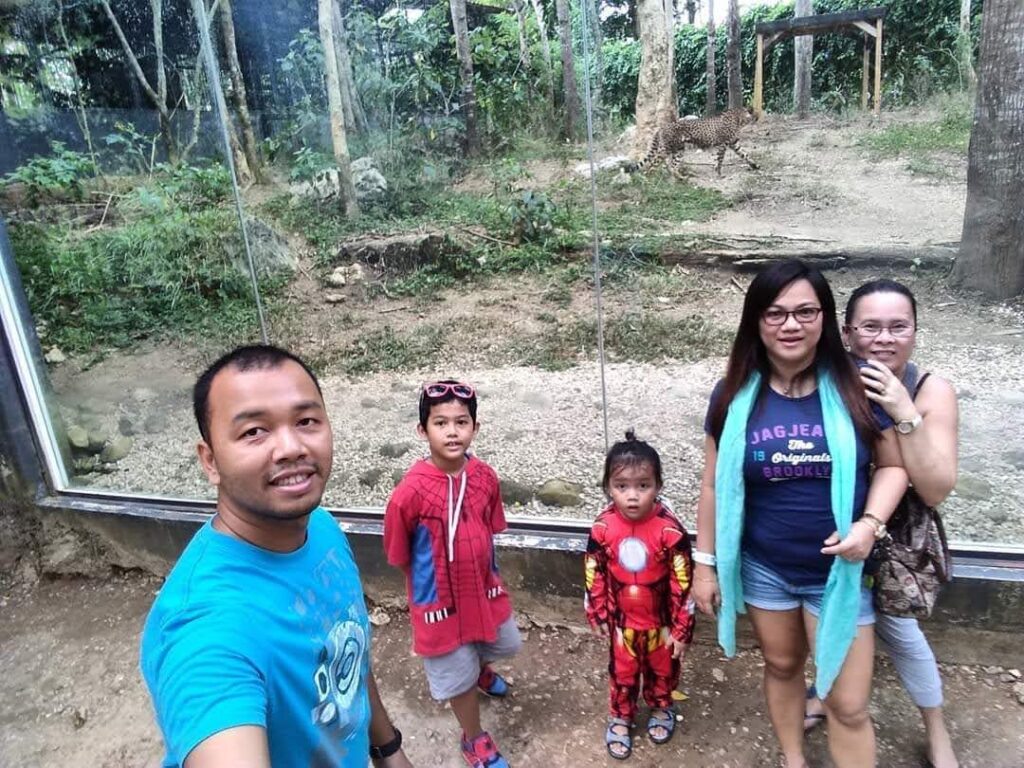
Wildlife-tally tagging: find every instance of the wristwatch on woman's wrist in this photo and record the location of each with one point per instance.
(906, 426)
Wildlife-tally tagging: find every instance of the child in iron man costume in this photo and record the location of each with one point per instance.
(638, 571)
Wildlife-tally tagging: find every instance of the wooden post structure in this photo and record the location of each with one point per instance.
(864, 79)
(878, 67)
(759, 78)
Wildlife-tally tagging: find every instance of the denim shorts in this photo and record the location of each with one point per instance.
(764, 588)
(457, 672)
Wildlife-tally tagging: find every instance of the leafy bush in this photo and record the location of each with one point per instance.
(60, 174)
(194, 185)
(170, 270)
(532, 215)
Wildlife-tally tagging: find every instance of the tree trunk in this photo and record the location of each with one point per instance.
(991, 256)
(250, 147)
(355, 116)
(734, 75)
(458, 8)
(570, 98)
(803, 52)
(655, 93)
(596, 41)
(965, 49)
(545, 50)
(337, 120)
(157, 97)
(524, 43)
(80, 114)
(711, 105)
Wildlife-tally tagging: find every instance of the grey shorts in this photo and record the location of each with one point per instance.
(457, 672)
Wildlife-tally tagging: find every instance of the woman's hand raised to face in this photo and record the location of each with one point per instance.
(855, 546)
(882, 387)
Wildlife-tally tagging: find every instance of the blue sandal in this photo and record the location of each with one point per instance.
(624, 740)
(661, 718)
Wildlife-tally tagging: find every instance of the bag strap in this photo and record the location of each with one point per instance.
(920, 383)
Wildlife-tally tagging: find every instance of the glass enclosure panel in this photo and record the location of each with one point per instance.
(124, 229)
(442, 224)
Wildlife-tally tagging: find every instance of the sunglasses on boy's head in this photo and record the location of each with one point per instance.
(442, 388)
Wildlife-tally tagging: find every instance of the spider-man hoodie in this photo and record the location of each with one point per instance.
(439, 530)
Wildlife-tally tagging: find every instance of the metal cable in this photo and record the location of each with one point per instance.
(593, 215)
(217, 96)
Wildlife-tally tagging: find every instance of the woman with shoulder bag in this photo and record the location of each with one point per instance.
(881, 325)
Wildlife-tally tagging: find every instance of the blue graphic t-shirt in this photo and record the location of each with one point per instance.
(787, 469)
(242, 636)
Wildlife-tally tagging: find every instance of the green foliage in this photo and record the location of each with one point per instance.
(166, 270)
(919, 59)
(194, 185)
(532, 214)
(307, 163)
(129, 149)
(59, 174)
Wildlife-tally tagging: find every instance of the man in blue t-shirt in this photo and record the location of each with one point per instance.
(257, 650)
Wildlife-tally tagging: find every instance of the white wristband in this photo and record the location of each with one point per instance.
(704, 558)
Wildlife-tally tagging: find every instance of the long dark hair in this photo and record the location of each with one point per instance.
(749, 354)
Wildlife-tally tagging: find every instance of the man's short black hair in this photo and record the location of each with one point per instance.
(426, 403)
(249, 358)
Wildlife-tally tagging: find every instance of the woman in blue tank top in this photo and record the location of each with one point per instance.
(789, 508)
(881, 327)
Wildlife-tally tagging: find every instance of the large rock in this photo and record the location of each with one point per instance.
(560, 493)
(370, 184)
(395, 450)
(270, 252)
(513, 492)
(78, 437)
(119, 447)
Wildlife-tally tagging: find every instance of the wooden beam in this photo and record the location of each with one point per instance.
(773, 39)
(865, 27)
(822, 22)
(759, 78)
(878, 69)
(864, 76)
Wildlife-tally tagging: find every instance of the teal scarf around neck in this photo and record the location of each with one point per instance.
(837, 625)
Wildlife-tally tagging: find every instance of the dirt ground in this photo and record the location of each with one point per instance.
(71, 694)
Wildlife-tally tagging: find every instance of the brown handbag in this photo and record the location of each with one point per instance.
(913, 560)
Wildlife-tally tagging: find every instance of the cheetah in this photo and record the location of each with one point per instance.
(721, 132)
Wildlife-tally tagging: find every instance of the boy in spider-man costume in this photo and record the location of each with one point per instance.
(638, 571)
(438, 528)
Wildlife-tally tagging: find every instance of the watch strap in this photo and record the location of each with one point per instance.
(387, 750)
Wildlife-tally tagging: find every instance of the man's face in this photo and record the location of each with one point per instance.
(270, 446)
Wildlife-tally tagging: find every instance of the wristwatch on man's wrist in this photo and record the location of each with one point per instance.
(387, 750)
(906, 426)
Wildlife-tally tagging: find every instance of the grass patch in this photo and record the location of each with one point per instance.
(951, 133)
(632, 336)
(653, 201)
(386, 350)
(926, 166)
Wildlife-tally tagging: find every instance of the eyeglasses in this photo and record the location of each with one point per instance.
(779, 316)
(442, 388)
(896, 330)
